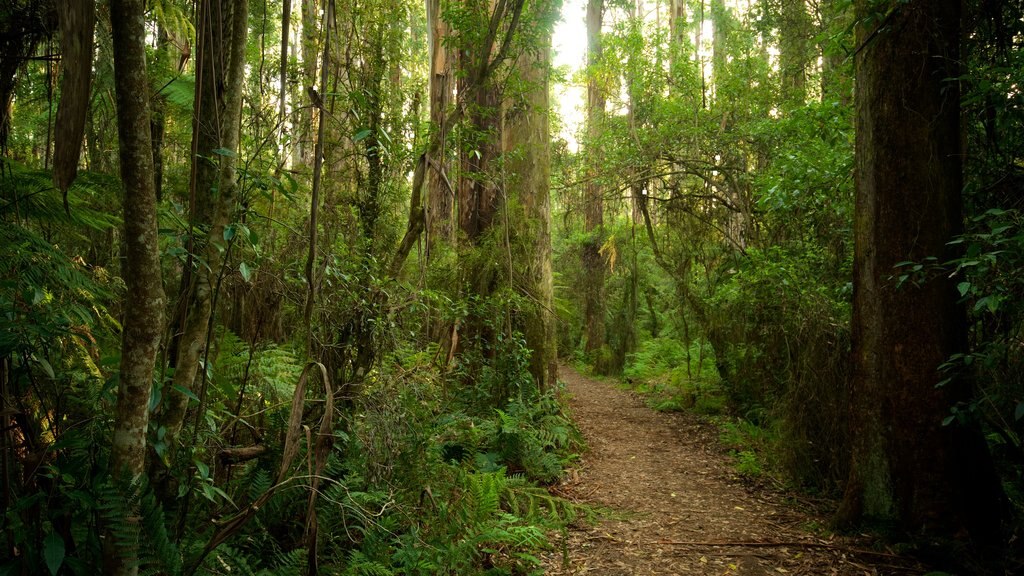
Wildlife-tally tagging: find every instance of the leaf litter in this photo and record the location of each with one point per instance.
(671, 502)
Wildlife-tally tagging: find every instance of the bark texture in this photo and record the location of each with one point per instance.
(794, 36)
(907, 467)
(224, 27)
(440, 195)
(144, 297)
(593, 208)
(526, 143)
(77, 21)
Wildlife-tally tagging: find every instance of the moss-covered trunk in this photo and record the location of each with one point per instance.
(144, 295)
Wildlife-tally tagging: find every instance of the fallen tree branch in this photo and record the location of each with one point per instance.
(790, 544)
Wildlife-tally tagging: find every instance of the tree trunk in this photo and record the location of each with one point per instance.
(306, 132)
(223, 28)
(77, 20)
(907, 466)
(144, 295)
(794, 34)
(440, 196)
(593, 211)
(527, 145)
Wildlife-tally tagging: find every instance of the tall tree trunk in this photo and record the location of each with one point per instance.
(77, 20)
(593, 210)
(306, 131)
(286, 25)
(440, 196)
(907, 466)
(527, 145)
(720, 17)
(144, 296)
(224, 28)
(794, 34)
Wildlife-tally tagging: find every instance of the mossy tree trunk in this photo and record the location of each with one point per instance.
(144, 295)
(526, 144)
(907, 467)
(223, 29)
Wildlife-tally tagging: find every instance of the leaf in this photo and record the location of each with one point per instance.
(1019, 412)
(362, 135)
(948, 420)
(224, 152)
(186, 392)
(245, 271)
(203, 469)
(229, 232)
(46, 367)
(53, 552)
(964, 288)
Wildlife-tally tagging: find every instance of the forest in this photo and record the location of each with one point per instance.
(293, 287)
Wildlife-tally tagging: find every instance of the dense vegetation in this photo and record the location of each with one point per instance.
(299, 311)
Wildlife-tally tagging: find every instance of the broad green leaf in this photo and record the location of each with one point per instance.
(53, 552)
(203, 469)
(361, 135)
(224, 152)
(246, 272)
(1019, 412)
(964, 288)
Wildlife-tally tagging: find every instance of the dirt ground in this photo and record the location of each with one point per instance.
(675, 505)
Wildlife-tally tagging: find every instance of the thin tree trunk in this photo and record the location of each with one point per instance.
(143, 321)
(286, 22)
(217, 127)
(305, 133)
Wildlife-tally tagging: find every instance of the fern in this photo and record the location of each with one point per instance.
(135, 521)
(360, 565)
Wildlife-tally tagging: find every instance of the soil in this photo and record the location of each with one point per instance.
(671, 502)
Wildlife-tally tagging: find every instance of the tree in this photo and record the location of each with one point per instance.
(527, 143)
(908, 466)
(794, 34)
(223, 28)
(593, 204)
(440, 195)
(143, 319)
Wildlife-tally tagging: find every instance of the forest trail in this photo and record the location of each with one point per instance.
(671, 491)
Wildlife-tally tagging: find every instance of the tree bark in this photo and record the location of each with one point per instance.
(593, 211)
(794, 35)
(527, 147)
(144, 296)
(306, 131)
(221, 60)
(77, 20)
(907, 467)
(440, 195)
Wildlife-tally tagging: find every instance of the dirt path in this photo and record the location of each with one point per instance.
(671, 491)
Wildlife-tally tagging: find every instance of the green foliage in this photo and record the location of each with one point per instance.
(750, 445)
